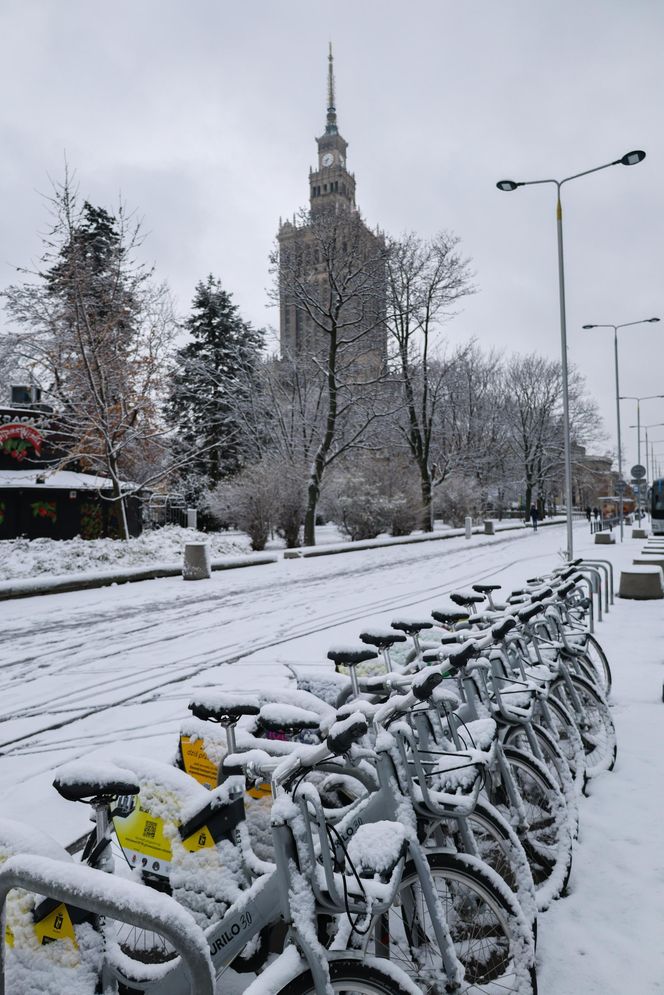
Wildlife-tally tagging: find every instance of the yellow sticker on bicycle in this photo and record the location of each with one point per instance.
(199, 840)
(141, 836)
(197, 763)
(9, 936)
(57, 925)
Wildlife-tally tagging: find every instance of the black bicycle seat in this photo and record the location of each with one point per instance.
(411, 626)
(350, 656)
(97, 782)
(466, 598)
(277, 717)
(382, 638)
(225, 708)
(450, 616)
(486, 588)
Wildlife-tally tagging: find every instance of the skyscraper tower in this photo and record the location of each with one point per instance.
(331, 186)
(331, 204)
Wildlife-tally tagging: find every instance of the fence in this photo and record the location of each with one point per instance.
(603, 524)
(164, 509)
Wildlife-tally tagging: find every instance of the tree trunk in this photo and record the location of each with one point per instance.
(313, 492)
(426, 522)
(118, 499)
(529, 498)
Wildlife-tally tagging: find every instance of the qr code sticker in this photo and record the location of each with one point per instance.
(150, 829)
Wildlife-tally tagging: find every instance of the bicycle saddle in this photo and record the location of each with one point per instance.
(486, 588)
(411, 626)
(382, 638)
(466, 598)
(278, 717)
(81, 782)
(224, 708)
(350, 656)
(450, 616)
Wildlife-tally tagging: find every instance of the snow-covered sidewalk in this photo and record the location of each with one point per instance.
(92, 672)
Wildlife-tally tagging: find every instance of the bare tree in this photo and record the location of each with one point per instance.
(330, 271)
(96, 329)
(425, 279)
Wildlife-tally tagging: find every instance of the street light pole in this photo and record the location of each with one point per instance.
(646, 397)
(629, 159)
(625, 324)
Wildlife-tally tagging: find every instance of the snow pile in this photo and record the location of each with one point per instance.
(30, 558)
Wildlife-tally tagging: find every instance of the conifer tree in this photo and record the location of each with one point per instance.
(213, 375)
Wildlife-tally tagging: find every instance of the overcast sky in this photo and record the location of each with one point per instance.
(203, 115)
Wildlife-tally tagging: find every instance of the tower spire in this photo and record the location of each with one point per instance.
(331, 126)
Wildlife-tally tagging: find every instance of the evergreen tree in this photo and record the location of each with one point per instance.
(213, 375)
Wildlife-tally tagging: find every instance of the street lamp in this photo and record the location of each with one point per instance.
(629, 159)
(625, 324)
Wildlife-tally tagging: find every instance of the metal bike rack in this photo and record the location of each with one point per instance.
(604, 566)
(595, 578)
(608, 566)
(128, 902)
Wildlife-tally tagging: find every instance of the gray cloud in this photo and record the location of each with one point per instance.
(203, 115)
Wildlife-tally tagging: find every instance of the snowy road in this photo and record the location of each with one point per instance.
(95, 671)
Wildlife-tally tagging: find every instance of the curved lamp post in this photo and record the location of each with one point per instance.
(629, 159)
(625, 324)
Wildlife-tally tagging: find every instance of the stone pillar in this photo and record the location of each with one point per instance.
(489, 527)
(192, 518)
(196, 564)
(469, 526)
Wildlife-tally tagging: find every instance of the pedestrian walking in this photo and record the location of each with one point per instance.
(589, 513)
(596, 513)
(533, 517)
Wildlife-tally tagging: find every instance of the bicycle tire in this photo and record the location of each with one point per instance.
(553, 759)
(547, 837)
(491, 936)
(598, 661)
(595, 724)
(498, 846)
(569, 741)
(350, 977)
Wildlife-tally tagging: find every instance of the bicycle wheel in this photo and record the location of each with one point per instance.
(554, 761)
(546, 834)
(497, 845)
(593, 720)
(492, 939)
(563, 728)
(596, 657)
(350, 977)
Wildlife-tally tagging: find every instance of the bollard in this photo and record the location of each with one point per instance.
(192, 518)
(489, 527)
(469, 526)
(196, 564)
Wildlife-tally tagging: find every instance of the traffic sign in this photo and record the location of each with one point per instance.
(621, 486)
(638, 471)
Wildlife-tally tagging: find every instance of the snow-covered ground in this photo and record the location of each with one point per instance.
(36, 558)
(95, 671)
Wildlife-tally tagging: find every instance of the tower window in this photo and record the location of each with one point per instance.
(325, 188)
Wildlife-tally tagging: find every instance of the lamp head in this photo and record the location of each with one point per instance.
(632, 158)
(652, 319)
(508, 185)
(589, 326)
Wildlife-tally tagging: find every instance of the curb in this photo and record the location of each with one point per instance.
(76, 582)
(351, 547)
(29, 589)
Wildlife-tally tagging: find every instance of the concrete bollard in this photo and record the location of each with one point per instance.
(641, 583)
(489, 527)
(604, 538)
(196, 564)
(469, 527)
(639, 534)
(192, 518)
